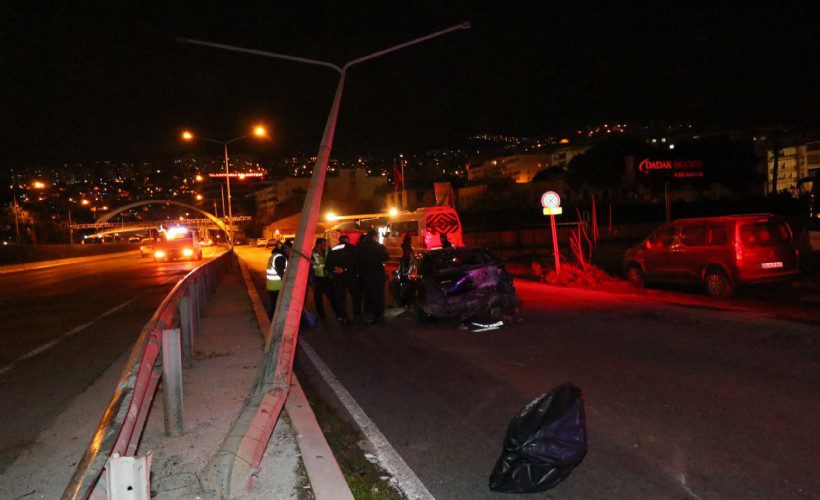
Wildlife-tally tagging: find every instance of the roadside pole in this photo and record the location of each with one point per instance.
(265, 403)
(551, 203)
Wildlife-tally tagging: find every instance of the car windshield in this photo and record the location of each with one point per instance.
(764, 234)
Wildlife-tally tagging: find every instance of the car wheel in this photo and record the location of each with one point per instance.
(718, 284)
(635, 276)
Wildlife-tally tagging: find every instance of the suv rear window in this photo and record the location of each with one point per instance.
(764, 234)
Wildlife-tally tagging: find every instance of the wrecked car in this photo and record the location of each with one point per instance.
(456, 283)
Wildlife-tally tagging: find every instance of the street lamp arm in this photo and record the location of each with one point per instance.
(200, 138)
(257, 52)
(462, 26)
(238, 138)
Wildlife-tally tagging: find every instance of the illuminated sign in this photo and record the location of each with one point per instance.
(241, 175)
(679, 169)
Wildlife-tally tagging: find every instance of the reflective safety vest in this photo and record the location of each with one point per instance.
(318, 264)
(274, 281)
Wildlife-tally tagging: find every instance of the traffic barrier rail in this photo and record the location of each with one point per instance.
(164, 346)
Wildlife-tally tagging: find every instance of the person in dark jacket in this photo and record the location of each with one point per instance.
(371, 256)
(341, 265)
(445, 241)
(406, 254)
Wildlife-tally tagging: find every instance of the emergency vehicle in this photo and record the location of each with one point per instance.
(177, 243)
(424, 225)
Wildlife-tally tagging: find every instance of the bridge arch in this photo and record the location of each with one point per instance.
(105, 218)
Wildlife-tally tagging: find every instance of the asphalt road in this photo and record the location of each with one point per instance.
(683, 399)
(61, 327)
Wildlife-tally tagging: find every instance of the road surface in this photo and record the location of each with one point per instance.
(682, 399)
(61, 327)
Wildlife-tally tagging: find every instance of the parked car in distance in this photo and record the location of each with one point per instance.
(207, 242)
(135, 239)
(147, 247)
(721, 253)
(261, 242)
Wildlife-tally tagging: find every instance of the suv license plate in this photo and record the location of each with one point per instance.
(771, 265)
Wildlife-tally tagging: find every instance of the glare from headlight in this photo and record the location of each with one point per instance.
(187, 252)
(159, 254)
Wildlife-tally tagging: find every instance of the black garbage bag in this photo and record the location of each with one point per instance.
(544, 443)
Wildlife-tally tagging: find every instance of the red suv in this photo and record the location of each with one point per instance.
(720, 252)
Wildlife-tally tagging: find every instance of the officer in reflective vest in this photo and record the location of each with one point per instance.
(277, 263)
(322, 286)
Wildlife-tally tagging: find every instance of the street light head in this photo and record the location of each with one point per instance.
(260, 131)
(198, 178)
(465, 25)
(393, 211)
(331, 217)
(199, 197)
(187, 136)
(39, 185)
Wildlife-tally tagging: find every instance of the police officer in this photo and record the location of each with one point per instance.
(277, 263)
(341, 265)
(322, 287)
(445, 241)
(371, 257)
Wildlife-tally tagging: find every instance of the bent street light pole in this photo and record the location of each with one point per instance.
(228, 184)
(271, 391)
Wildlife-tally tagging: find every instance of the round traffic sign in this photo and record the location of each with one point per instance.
(550, 199)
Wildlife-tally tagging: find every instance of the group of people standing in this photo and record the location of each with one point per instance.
(346, 270)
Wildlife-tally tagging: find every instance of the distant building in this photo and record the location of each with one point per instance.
(795, 163)
(520, 168)
(349, 184)
(411, 198)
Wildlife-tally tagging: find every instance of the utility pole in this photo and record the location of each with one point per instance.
(70, 229)
(222, 194)
(280, 344)
(16, 220)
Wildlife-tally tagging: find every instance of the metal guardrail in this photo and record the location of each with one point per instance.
(122, 423)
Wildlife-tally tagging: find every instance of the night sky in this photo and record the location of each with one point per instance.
(110, 82)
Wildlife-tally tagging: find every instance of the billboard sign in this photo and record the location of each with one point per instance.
(676, 169)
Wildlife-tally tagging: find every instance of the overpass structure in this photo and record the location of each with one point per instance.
(105, 227)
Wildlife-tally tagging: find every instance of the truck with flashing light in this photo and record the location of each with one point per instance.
(177, 243)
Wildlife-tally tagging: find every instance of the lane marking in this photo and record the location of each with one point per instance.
(73, 331)
(386, 455)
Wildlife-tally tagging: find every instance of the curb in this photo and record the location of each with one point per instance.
(323, 470)
(44, 264)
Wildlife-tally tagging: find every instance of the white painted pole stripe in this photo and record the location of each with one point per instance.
(75, 330)
(387, 456)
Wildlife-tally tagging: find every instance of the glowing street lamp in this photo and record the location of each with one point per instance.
(393, 211)
(331, 217)
(258, 131)
(199, 197)
(84, 202)
(39, 185)
(198, 178)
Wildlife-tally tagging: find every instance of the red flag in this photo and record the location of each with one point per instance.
(397, 177)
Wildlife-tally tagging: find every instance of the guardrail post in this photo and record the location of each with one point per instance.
(193, 294)
(186, 327)
(172, 382)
